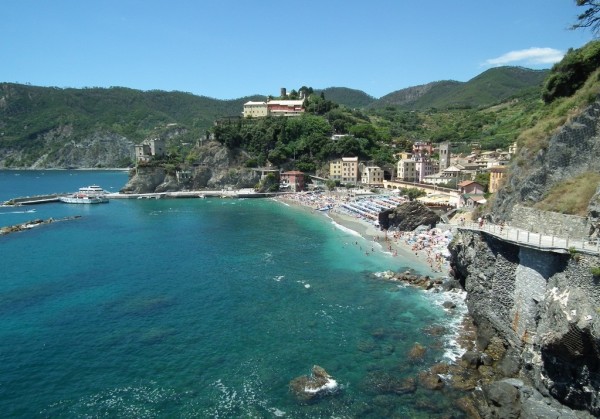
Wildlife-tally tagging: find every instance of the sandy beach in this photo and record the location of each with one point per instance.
(425, 248)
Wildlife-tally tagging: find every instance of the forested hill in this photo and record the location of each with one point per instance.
(97, 127)
(27, 111)
(490, 87)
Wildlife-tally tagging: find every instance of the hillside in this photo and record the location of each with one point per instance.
(26, 111)
(351, 98)
(492, 86)
(96, 127)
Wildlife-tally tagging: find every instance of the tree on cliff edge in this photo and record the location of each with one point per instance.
(590, 18)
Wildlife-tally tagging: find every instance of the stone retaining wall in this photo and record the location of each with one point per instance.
(550, 223)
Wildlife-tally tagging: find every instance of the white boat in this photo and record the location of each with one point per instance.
(92, 190)
(93, 194)
(78, 198)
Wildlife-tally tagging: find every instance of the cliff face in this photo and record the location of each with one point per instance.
(572, 151)
(61, 147)
(215, 167)
(543, 307)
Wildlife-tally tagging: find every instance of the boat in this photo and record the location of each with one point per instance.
(92, 190)
(78, 198)
(92, 194)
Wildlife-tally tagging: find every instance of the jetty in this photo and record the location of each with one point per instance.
(34, 200)
(240, 193)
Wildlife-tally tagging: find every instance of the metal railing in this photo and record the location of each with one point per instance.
(540, 241)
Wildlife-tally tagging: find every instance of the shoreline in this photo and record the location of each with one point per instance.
(396, 244)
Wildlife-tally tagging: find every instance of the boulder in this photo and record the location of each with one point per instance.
(319, 383)
(408, 216)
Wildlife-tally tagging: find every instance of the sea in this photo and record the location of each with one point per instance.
(204, 308)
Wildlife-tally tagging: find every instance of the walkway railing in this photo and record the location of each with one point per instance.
(535, 240)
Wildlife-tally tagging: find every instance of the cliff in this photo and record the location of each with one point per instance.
(215, 167)
(574, 150)
(64, 147)
(543, 309)
(538, 313)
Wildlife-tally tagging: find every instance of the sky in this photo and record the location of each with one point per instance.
(229, 49)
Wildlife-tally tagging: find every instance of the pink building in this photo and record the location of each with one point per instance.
(294, 180)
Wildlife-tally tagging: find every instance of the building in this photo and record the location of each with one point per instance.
(372, 175)
(255, 109)
(273, 108)
(444, 153)
(292, 181)
(421, 147)
(148, 149)
(497, 175)
(344, 170)
(471, 187)
(424, 166)
(406, 169)
(471, 200)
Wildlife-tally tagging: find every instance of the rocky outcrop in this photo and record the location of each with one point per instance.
(32, 224)
(215, 167)
(63, 147)
(319, 383)
(407, 217)
(538, 314)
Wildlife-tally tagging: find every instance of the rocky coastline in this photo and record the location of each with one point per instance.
(537, 341)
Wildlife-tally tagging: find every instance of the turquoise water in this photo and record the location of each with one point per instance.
(200, 308)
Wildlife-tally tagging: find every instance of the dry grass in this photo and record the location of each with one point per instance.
(558, 113)
(571, 196)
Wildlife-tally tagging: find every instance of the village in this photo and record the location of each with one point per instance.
(447, 179)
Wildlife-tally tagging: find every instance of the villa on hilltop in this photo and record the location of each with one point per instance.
(273, 108)
(282, 107)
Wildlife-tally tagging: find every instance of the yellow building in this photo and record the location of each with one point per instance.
(344, 170)
(497, 174)
(273, 108)
(255, 109)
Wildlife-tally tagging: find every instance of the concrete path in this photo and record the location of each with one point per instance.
(534, 240)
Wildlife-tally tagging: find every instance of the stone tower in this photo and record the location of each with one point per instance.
(444, 156)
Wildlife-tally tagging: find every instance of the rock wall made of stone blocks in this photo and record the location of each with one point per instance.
(549, 223)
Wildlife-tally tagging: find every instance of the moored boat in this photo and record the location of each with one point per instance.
(79, 198)
(92, 194)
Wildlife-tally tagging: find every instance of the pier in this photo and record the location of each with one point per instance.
(242, 193)
(34, 200)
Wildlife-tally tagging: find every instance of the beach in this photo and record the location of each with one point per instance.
(427, 248)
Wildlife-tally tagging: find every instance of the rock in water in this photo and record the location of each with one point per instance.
(319, 383)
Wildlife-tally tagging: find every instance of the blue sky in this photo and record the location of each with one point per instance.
(229, 49)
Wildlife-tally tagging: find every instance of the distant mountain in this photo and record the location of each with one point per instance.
(491, 86)
(350, 98)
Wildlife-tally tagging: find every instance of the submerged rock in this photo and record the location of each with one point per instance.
(310, 387)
